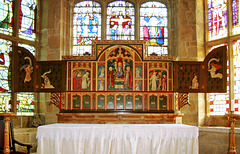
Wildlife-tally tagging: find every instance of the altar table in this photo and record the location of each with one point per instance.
(117, 139)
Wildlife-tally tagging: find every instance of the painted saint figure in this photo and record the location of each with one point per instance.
(128, 78)
(101, 85)
(111, 79)
(159, 81)
(138, 75)
(137, 86)
(153, 81)
(85, 81)
(102, 73)
(119, 68)
(164, 82)
(77, 80)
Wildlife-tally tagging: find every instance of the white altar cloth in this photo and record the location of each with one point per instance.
(117, 139)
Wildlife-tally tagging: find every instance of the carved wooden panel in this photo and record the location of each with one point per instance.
(215, 70)
(120, 76)
(133, 101)
(207, 76)
(24, 70)
(51, 76)
(188, 76)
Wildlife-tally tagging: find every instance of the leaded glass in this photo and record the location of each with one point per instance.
(86, 26)
(6, 16)
(29, 48)
(5, 58)
(153, 27)
(25, 104)
(27, 25)
(25, 101)
(120, 21)
(236, 17)
(4, 98)
(5, 74)
(217, 19)
(219, 102)
(236, 61)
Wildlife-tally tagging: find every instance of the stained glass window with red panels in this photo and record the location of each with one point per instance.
(219, 102)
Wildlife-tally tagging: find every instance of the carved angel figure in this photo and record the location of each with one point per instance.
(212, 68)
(28, 70)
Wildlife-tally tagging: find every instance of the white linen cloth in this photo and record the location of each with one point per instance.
(117, 139)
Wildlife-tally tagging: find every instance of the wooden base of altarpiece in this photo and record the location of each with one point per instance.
(120, 118)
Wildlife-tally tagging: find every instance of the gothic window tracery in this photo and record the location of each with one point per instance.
(86, 26)
(120, 21)
(153, 27)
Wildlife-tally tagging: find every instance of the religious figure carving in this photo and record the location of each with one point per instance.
(194, 82)
(47, 83)
(28, 70)
(213, 67)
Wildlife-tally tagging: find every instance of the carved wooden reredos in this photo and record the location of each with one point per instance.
(119, 76)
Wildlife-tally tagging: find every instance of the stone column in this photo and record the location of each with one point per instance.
(104, 21)
(137, 22)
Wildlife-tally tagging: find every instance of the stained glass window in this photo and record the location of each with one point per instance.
(217, 19)
(25, 101)
(153, 27)
(5, 74)
(120, 21)
(219, 102)
(86, 26)
(29, 48)
(25, 104)
(236, 61)
(27, 25)
(236, 17)
(6, 16)
(26, 30)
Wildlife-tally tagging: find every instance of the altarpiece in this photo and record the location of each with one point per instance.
(120, 76)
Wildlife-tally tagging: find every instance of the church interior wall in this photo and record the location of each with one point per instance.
(186, 42)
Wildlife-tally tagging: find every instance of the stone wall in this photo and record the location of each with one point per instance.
(215, 140)
(26, 136)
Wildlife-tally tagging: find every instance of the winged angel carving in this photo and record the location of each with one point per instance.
(28, 70)
(213, 67)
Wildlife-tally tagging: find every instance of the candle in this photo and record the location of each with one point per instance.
(6, 105)
(232, 105)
